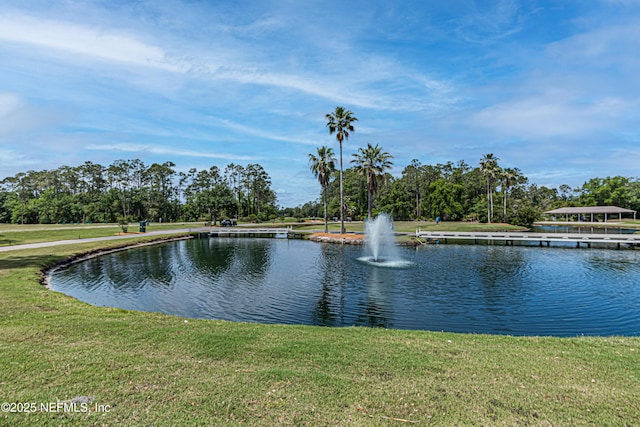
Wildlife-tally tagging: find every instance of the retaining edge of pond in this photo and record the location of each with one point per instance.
(47, 271)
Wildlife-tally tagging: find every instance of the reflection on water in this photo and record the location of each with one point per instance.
(460, 288)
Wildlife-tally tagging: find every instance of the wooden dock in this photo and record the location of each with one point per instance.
(541, 238)
(281, 233)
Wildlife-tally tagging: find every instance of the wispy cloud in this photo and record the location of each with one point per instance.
(18, 116)
(607, 47)
(106, 44)
(10, 158)
(484, 23)
(437, 81)
(548, 116)
(124, 48)
(9, 103)
(261, 133)
(168, 151)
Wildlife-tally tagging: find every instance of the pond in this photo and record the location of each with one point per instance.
(513, 290)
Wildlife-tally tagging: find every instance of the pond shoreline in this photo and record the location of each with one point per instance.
(45, 273)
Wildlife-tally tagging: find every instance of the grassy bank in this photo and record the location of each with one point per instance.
(153, 369)
(410, 226)
(15, 234)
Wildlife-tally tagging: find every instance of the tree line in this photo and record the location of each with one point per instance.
(460, 192)
(488, 192)
(129, 190)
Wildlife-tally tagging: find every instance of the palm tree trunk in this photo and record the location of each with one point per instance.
(488, 202)
(326, 220)
(504, 207)
(341, 195)
(491, 193)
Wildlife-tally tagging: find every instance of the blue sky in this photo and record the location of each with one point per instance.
(550, 87)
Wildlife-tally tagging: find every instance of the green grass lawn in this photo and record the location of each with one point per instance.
(411, 226)
(154, 369)
(15, 234)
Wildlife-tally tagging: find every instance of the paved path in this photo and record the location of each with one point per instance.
(55, 227)
(97, 239)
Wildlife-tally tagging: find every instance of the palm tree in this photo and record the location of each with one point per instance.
(340, 123)
(322, 166)
(372, 162)
(490, 169)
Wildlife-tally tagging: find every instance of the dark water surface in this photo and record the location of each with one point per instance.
(512, 290)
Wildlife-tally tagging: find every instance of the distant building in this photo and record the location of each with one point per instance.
(591, 213)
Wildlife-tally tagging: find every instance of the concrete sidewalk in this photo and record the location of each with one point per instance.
(98, 239)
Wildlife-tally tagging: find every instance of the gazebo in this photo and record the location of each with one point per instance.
(592, 211)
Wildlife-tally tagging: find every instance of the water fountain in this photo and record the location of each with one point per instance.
(381, 244)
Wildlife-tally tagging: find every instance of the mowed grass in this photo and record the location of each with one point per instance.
(411, 226)
(15, 234)
(154, 369)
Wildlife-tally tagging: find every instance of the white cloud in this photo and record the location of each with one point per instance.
(548, 116)
(247, 130)
(153, 149)
(9, 103)
(363, 83)
(10, 158)
(484, 23)
(610, 45)
(439, 81)
(583, 85)
(17, 116)
(104, 44)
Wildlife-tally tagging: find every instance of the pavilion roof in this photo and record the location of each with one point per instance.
(590, 210)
